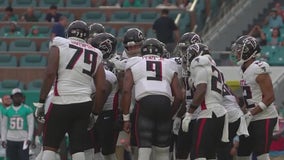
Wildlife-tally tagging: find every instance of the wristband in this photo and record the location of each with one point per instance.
(126, 117)
(262, 105)
(193, 106)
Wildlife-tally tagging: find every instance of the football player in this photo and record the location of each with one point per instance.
(183, 140)
(158, 95)
(107, 136)
(208, 82)
(94, 29)
(258, 94)
(72, 66)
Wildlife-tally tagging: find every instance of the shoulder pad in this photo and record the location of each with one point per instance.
(132, 61)
(177, 60)
(200, 61)
(261, 67)
(58, 41)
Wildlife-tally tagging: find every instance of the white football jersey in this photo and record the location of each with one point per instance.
(152, 75)
(230, 103)
(178, 62)
(78, 62)
(111, 78)
(251, 90)
(204, 70)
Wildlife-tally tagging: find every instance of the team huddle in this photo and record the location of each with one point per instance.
(171, 105)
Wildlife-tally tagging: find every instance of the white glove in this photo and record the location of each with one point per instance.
(176, 125)
(185, 122)
(248, 117)
(93, 119)
(39, 112)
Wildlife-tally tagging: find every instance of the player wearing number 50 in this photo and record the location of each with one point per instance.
(72, 65)
(17, 128)
(258, 95)
(158, 96)
(208, 83)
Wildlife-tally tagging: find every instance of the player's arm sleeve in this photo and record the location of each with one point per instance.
(201, 75)
(263, 68)
(4, 128)
(30, 119)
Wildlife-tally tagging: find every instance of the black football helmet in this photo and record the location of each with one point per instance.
(245, 48)
(194, 50)
(96, 28)
(186, 40)
(133, 37)
(152, 46)
(106, 42)
(77, 28)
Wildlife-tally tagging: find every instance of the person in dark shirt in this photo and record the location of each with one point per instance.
(166, 30)
(53, 15)
(58, 29)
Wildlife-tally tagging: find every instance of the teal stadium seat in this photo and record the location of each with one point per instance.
(110, 30)
(9, 84)
(276, 60)
(122, 16)
(7, 60)
(33, 61)
(6, 29)
(24, 3)
(150, 33)
(22, 45)
(39, 15)
(3, 46)
(94, 17)
(4, 3)
(146, 17)
(111, 2)
(43, 30)
(35, 84)
(70, 16)
(48, 3)
(269, 51)
(44, 46)
(78, 3)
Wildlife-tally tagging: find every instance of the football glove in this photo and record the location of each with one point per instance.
(176, 125)
(185, 122)
(93, 119)
(39, 112)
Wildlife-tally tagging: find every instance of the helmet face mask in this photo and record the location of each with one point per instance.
(245, 48)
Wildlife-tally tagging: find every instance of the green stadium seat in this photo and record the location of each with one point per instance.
(78, 3)
(146, 17)
(276, 60)
(24, 3)
(111, 2)
(44, 46)
(39, 14)
(7, 60)
(3, 46)
(5, 29)
(94, 17)
(150, 33)
(33, 61)
(4, 3)
(35, 84)
(43, 30)
(110, 30)
(22, 46)
(70, 16)
(48, 3)
(9, 84)
(122, 16)
(269, 51)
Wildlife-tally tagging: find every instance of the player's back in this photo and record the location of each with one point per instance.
(152, 75)
(78, 61)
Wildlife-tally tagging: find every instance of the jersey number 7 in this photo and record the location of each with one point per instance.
(87, 60)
